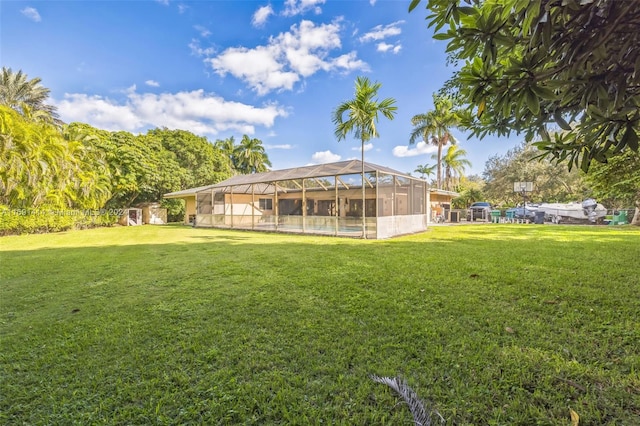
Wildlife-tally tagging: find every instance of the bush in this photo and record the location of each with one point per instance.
(32, 221)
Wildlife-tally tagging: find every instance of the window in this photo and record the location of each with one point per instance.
(204, 203)
(265, 203)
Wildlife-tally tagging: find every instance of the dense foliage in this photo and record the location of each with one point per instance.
(532, 66)
(617, 183)
(48, 166)
(39, 166)
(552, 182)
(249, 156)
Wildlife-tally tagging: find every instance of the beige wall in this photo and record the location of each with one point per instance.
(189, 208)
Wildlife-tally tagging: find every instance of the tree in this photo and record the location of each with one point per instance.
(42, 166)
(552, 182)
(227, 147)
(528, 66)
(617, 183)
(27, 97)
(435, 125)
(91, 188)
(201, 162)
(425, 170)
(362, 111)
(454, 165)
(471, 190)
(250, 156)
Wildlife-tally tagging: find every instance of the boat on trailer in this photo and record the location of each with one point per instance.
(587, 211)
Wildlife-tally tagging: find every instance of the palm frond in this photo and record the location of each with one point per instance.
(422, 413)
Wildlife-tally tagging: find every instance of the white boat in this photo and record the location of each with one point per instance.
(587, 211)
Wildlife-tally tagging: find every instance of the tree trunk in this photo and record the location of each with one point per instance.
(364, 222)
(636, 215)
(439, 177)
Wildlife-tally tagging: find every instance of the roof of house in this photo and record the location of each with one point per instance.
(315, 171)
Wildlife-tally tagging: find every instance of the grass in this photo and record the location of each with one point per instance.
(491, 324)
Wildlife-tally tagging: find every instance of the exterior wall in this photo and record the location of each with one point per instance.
(396, 207)
(154, 215)
(390, 226)
(189, 208)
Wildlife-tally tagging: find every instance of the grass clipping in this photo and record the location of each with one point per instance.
(422, 413)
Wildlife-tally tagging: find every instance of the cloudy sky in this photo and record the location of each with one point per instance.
(274, 70)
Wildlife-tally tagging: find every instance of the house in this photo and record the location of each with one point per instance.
(320, 199)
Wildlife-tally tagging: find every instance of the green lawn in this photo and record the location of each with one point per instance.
(493, 324)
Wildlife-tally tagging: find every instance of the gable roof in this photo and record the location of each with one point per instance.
(314, 171)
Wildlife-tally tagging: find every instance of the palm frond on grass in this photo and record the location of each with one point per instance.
(421, 411)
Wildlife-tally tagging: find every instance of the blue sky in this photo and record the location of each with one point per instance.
(274, 70)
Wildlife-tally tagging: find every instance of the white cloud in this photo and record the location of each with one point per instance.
(261, 15)
(296, 7)
(196, 111)
(196, 50)
(421, 148)
(367, 147)
(182, 8)
(259, 67)
(372, 2)
(204, 32)
(301, 52)
(152, 83)
(384, 47)
(282, 146)
(325, 157)
(31, 13)
(349, 62)
(380, 32)
(164, 2)
(95, 110)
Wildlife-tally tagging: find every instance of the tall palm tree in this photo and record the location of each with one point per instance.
(434, 127)
(425, 170)
(28, 97)
(454, 164)
(251, 156)
(362, 112)
(227, 146)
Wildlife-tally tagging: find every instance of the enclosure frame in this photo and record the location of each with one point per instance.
(322, 199)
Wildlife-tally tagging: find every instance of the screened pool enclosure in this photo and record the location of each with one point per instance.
(321, 199)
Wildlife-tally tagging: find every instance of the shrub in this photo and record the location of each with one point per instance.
(50, 219)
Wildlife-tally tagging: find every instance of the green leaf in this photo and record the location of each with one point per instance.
(544, 93)
(532, 101)
(630, 137)
(443, 36)
(586, 161)
(466, 10)
(561, 121)
(413, 4)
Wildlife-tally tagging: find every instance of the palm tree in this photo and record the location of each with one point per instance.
(363, 113)
(37, 165)
(250, 156)
(433, 126)
(227, 146)
(425, 170)
(28, 97)
(454, 164)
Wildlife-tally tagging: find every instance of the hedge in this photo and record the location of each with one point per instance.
(30, 221)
